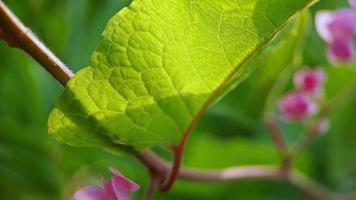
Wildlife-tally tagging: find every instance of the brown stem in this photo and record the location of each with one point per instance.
(17, 35)
(2, 36)
(302, 142)
(310, 188)
(155, 181)
(178, 152)
(178, 157)
(153, 162)
(276, 135)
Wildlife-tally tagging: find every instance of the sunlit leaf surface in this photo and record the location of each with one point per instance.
(158, 66)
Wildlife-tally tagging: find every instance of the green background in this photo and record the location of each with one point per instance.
(35, 166)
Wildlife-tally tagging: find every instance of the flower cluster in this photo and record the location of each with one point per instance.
(301, 104)
(338, 30)
(117, 188)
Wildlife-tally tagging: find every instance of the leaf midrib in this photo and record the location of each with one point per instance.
(216, 92)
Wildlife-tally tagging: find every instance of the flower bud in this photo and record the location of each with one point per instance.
(117, 188)
(341, 51)
(320, 127)
(296, 106)
(338, 30)
(309, 81)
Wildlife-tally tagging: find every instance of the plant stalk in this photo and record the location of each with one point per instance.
(17, 35)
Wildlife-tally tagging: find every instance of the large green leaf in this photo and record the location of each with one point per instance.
(240, 113)
(159, 65)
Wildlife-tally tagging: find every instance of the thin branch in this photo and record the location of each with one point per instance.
(155, 181)
(310, 188)
(299, 145)
(17, 35)
(276, 135)
(178, 153)
(2, 36)
(272, 173)
(178, 157)
(271, 123)
(232, 174)
(153, 162)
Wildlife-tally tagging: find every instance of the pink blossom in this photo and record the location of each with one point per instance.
(310, 80)
(352, 3)
(320, 127)
(117, 188)
(296, 106)
(338, 30)
(341, 51)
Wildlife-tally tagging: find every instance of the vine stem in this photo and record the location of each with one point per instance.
(273, 173)
(155, 181)
(276, 135)
(17, 35)
(178, 152)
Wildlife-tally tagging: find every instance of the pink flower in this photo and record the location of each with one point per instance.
(296, 106)
(341, 51)
(338, 30)
(117, 188)
(310, 80)
(320, 127)
(352, 3)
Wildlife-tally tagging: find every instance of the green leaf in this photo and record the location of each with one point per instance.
(159, 65)
(240, 111)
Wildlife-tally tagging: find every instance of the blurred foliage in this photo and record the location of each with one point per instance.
(35, 167)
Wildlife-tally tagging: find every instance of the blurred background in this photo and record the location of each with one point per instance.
(34, 166)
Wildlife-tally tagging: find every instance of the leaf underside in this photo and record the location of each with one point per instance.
(158, 66)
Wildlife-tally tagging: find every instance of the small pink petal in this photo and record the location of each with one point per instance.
(352, 3)
(296, 106)
(310, 80)
(109, 191)
(320, 127)
(343, 25)
(115, 171)
(338, 29)
(322, 21)
(341, 51)
(119, 187)
(312, 108)
(132, 184)
(339, 24)
(90, 192)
